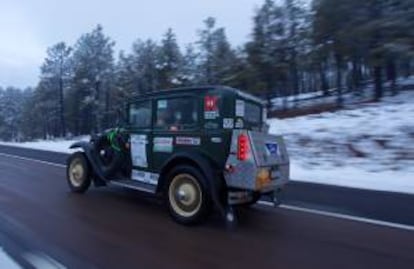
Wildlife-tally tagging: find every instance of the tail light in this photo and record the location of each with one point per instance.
(243, 148)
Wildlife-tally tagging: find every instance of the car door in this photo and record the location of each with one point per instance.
(176, 127)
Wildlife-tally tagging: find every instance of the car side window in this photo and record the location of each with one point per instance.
(140, 114)
(177, 113)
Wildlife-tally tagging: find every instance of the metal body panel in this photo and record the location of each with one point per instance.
(244, 173)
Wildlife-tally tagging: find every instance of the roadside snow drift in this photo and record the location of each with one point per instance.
(58, 145)
(370, 147)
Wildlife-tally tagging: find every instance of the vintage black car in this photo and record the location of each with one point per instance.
(195, 147)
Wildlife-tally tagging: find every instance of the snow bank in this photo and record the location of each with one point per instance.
(370, 147)
(58, 145)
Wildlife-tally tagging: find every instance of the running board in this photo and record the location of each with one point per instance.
(135, 185)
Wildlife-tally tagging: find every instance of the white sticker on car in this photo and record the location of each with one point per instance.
(216, 139)
(240, 108)
(228, 123)
(163, 144)
(239, 124)
(162, 104)
(211, 115)
(146, 177)
(139, 150)
(189, 141)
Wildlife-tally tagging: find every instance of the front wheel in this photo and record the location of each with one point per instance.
(78, 173)
(187, 196)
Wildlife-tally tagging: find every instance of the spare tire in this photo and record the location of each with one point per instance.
(109, 158)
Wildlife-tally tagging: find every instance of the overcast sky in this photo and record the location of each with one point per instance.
(28, 27)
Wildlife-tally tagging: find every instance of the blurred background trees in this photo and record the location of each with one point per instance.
(327, 47)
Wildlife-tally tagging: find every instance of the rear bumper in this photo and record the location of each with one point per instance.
(242, 197)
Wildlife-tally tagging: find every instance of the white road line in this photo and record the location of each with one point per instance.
(7, 262)
(33, 160)
(342, 216)
(42, 261)
(289, 207)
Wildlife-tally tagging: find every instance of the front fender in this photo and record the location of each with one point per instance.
(89, 152)
(86, 146)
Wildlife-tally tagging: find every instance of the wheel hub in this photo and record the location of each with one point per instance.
(186, 194)
(76, 173)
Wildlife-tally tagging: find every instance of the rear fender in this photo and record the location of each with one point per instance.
(206, 168)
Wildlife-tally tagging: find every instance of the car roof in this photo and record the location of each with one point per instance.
(184, 90)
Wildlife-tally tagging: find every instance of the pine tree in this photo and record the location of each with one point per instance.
(11, 103)
(216, 57)
(206, 48)
(170, 61)
(190, 73)
(92, 81)
(55, 75)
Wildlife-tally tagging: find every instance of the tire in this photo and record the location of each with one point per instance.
(109, 160)
(187, 195)
(78, 173)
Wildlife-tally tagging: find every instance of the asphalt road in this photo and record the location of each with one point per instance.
(379, 205)
(117, 228)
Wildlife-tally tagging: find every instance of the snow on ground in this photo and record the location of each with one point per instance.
(58, 145)
(370, 147)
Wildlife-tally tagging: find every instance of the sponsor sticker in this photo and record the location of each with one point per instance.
(211, 110)
(216, 139)
(239, 124)
(211, 115)
(188, 141)
(228, 123)
(163, 144)
(271, 149)
(162, 104)
(211, 103)
(139, 150)
(240, 108)
(146, 177)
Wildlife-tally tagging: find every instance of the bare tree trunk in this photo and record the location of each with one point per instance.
(96, 110)
(378, 82)
(356, 74)
(62, 108)
(338, 59)
(322, 75)
(392, 76)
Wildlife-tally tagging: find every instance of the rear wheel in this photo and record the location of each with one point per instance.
(187, 195)
(78, 173)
